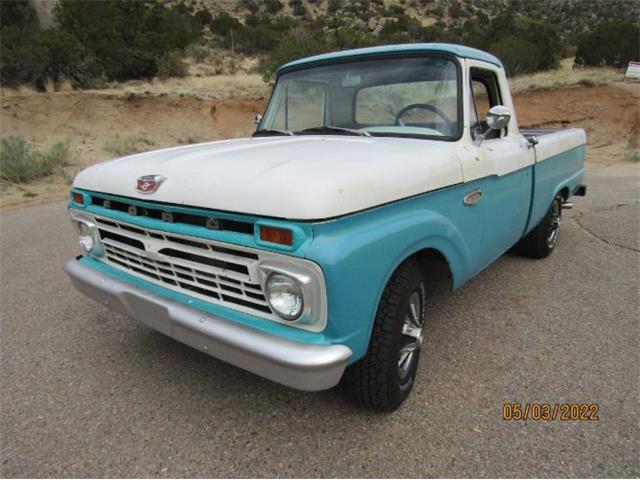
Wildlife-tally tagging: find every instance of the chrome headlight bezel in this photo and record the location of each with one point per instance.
(310, 279)
(86, 227)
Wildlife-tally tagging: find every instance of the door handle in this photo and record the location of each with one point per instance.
(473, 197)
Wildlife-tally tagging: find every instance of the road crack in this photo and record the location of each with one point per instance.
(602, 239)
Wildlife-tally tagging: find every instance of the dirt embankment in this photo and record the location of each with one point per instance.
(609, 114)
(101, 126)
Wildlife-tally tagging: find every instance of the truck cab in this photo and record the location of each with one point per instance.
(303, 253)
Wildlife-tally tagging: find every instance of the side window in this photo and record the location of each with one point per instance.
(485, 94)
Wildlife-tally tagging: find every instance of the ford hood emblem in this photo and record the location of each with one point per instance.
(149, 183)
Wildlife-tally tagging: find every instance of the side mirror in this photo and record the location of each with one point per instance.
(257, 120)
(497, 118)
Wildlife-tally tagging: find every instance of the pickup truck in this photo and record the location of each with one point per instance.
(304, 254)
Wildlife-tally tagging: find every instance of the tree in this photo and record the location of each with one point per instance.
(126, 40)
(518, 55)
(612, 44)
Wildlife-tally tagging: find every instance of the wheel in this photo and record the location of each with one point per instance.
(540, 242)
(383, 379)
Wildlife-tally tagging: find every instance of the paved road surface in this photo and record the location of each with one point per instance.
(86, 392)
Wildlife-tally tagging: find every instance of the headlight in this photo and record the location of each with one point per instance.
(284, 295)
(86, 237)
(87, 230)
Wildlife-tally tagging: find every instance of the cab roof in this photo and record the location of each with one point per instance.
(407, 48)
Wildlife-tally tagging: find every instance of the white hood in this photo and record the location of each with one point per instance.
(303, 177)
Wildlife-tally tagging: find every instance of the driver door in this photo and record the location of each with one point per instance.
(506, 164)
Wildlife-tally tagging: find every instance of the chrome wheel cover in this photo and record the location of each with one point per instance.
(411, 334)
(554, 225)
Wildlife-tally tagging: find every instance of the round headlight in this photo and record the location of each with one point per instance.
(284, 296)
(86, 237)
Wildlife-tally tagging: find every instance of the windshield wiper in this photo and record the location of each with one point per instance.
(332, 129)
(269, 132)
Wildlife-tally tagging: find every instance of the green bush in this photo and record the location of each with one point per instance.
(105, 40)
(223, 24)
(126, 40)
(523, 44)
(299, 10)
(519, 56)
(612, 44)
(273, 6)
(19, 163)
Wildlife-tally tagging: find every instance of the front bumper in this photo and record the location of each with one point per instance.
(294, 364)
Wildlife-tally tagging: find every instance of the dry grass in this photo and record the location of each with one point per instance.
(566, 75)
(205, 80)
(210, 78)
(214, 86)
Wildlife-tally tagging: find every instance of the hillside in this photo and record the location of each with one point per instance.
(570, 18)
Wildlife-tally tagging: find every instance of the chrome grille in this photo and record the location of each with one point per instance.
(211, 271)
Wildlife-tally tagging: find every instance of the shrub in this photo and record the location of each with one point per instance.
(125, 40)
(273, 6)
(19, 163)
(396, 10)
(518, 55)
(252, 5)
(171, 64)
(299, 10)
(333, 6)
(18, 14)
(612, 44)
(198, 52)
(125, 145)
(203, 18)
(299, 44)
(223, 24)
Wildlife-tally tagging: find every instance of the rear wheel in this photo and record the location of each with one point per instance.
(540, 242)
(383, 379)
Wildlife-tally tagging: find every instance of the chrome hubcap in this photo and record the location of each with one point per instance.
(411, 334)
(554, 225)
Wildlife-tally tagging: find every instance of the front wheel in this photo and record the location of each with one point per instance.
(540, 242)
(383, 379)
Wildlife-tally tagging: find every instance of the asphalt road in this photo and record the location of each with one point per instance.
(86, 392)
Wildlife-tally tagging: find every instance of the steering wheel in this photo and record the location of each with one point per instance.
(423, 106)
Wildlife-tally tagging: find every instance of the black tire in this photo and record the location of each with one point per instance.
(379, 380)
(542, 240)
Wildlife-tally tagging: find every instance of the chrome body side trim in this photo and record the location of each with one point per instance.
(293, 364)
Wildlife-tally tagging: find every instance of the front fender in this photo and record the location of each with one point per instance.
(359, 253)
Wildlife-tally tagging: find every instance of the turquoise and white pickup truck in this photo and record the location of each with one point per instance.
(303, 254)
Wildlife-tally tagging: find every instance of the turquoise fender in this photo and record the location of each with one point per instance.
(360, 252)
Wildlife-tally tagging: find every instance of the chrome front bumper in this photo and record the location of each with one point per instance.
(297, 365)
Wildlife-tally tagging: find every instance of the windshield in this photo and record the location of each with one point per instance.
(415, 97)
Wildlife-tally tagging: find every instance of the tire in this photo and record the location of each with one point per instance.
(383, 379)
(542, 240)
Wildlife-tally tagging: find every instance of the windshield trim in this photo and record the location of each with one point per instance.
(459, 87)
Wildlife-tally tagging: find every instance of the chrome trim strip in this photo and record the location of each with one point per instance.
(293, 364)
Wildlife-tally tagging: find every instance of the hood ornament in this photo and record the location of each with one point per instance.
(149, 183)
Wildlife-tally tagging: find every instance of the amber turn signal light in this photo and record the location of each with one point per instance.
(283, 236)
(78, 198)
